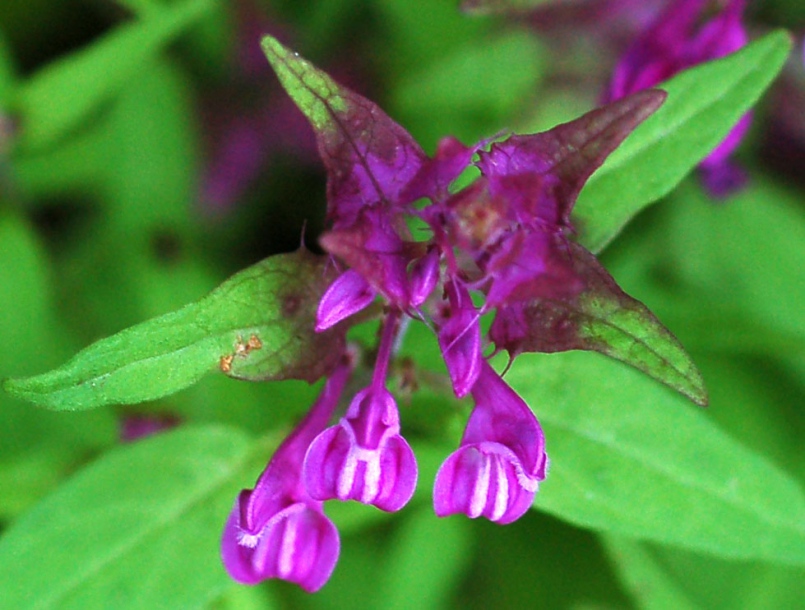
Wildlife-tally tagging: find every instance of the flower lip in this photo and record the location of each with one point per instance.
(298, 544)
(496, 471)
(364, 457)
(276, 530)
(484, 480)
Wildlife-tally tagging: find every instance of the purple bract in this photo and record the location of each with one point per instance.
(503, 244)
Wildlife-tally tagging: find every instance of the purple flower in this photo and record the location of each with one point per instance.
(674, 42)
(504, 241)
(364, 457)
(348, 294)
(277, 530)
(496, 471)
(460, 338)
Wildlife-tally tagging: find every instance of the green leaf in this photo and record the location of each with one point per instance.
(727, 585)
(38, 447)
(139, 528)
(60, 96)
(629, 457)
(257, 325)
(724, 277)
(702, 106)
(141, 8)
(153, 152)
(318, 96)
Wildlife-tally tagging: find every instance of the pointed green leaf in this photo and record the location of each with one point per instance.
(259, 324)
(139, 528)
(702, 106)
(57, 98)
(369, 157)
(629, 457)
(318, 96)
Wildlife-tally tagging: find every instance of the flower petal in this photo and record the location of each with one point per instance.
(298, 544)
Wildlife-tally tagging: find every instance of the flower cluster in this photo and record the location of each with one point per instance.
(505, 241)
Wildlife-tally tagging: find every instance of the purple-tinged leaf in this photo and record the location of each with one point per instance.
(569, 153)
(529, 264)
(373, 247)
(451, 158)
(601, 318)
(370, 159)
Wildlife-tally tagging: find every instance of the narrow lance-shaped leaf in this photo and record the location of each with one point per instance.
(600, 318)
(703, 104)
(257, 325)
(369, 157)
(56, 99)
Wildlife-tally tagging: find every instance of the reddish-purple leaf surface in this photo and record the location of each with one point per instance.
(600, 318)
(369, 158)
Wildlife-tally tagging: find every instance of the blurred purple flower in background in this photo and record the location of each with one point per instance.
(678, 39)
(136, 426)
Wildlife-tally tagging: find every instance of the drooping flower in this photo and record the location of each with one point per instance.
(675, 41)
(277, 530)
(364, 457)
(497, 469)
(459, 337)
(503, 244)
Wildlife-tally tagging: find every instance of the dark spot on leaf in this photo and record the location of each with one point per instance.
(291, 304)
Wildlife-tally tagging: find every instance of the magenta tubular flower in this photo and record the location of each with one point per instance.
(364, 457)
(460, 339)
(496, 471)
(675, 42)
(506, 238)
(348, 294)
(276, 530)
